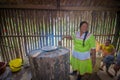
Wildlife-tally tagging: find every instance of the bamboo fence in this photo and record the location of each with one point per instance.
(24, 30)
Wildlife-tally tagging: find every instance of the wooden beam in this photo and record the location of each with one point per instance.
(50, 7)
(45, 36)
(30, 6)
(89, 8)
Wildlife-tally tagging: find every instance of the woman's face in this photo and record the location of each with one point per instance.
(84, 27)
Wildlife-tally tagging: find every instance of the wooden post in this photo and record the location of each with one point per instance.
(117, 30)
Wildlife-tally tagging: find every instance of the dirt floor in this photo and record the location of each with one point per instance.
(25, 74)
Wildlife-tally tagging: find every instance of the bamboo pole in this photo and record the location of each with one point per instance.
(5, 39)
(117, 30)
(11, 32)
(30, 31)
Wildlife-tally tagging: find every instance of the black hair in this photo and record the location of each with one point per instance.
(85, 32)
(108, 40)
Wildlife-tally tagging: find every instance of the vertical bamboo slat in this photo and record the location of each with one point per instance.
(5, 39)
(11, 32)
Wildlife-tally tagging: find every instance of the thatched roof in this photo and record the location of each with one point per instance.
(105, 3)
(60, 3)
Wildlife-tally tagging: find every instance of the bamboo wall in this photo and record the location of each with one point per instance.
(23, 30)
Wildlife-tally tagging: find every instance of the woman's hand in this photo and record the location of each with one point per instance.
(67, 37)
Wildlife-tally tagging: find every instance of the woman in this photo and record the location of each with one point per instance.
(84, 44)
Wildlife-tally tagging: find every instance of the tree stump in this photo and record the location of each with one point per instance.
(52, 65)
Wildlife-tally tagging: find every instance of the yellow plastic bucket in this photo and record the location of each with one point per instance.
(15, 65)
